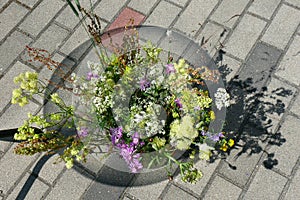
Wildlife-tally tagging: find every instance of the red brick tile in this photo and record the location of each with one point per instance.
(124, 18)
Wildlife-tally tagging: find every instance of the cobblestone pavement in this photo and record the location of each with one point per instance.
(261, 68)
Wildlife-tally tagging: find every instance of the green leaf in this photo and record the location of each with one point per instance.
(73, 8)
(77, 4)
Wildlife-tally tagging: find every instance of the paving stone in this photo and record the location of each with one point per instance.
(177, 194)
(4, 145)
(228, 10)
(107, 9)
(68, 18)
(277, 99)
(76, 40)
(229, 67)
(211, 33)
(45, 11)
(294, 2)
(263, 186)
(124, 18)
(207, 170)
(19, 163)
(287, 153)
(11, 48)
(180, 2)
(51, 39)
(289, 66)
(36, 191)
(242, 161)
(71, 185)
(221, 188)
(3, 2)
(15, 115)
(296, 106)
(163, 15)
(45, 168)
(264, 8)
(9, 84)
(10, 17)
(282, 27)
(110, 184)
(259, 65)
(143, 6)
(244, 36)
(29, 3)
(149, 185)
(293, 191)
(194, 16)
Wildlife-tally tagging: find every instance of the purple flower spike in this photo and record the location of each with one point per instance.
(116, 134)
(144, 83)
(178, 103)
(83, 132)
(170, 68)
(135, 138)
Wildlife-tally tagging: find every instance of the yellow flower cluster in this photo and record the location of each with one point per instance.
(226, 144)
(28, 85)
(183, 132)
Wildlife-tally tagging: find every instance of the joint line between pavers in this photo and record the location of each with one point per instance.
(27, 170)
(22, 4)
(175, 4)
(288, 184)
(258, 16)
(187, 190)
(291, 5)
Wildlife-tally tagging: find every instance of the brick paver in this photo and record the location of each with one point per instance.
(261, 42)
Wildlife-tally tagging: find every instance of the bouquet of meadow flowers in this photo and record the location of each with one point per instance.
(135, 102)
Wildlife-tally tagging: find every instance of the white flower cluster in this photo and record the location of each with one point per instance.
(222, 98)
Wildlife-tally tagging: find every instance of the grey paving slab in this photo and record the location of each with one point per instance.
(289, 66)
(287, 154)
(294, 2)
(143, 6)
(9, 175)
(207, 170)
(45, 168)
(244, 159)
(293, 191)
(244, 36)
(264, 8)
(72, 184)
(37, 189)
(15, 115)
(180, 2)
(110, 184)
(142, 189)
(230, 67)
(11, 48)
(177, 194)
(163, 15)
(7, 84)
(29, 3)
(228, 12)
(3, 2)
(277, 99)
(10, 17)
(211, 33)
(221, 188)
(263, 186)
(108, 9)
(282, 27)
(296, 106)
(194, 16)
(51, 39)
(68, 18)
(4, 145)
(45, 11)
